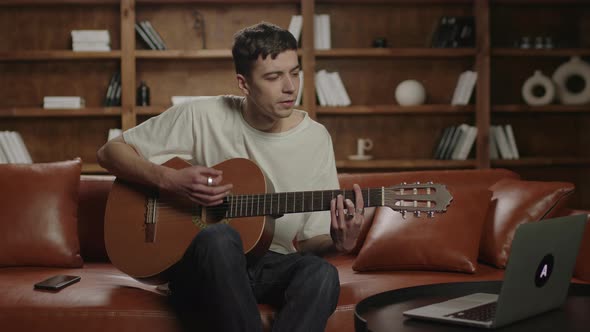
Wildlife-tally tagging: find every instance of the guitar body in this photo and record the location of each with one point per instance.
(147, 231)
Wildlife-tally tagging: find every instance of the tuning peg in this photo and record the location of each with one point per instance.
(417, 214)
(429, 182)
(430, 214)
(403, 183)
(403, 212)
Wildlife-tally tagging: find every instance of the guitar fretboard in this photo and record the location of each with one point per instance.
(293, 202)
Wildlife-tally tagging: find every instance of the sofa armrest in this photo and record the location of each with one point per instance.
(582, 270)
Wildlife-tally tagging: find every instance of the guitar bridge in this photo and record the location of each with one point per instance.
(151, 219)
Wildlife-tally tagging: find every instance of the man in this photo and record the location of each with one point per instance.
(213, 279)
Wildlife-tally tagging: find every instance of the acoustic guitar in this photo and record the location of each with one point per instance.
(147, 231)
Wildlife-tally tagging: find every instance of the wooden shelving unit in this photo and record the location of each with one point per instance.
(36, 60)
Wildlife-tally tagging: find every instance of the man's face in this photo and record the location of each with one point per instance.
(273, 84)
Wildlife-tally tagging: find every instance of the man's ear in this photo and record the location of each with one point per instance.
(243, 84)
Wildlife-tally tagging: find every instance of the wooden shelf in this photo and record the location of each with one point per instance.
(93, 169)
(394, 109)
(377, 164)
(42, 55)
(542, 162)
(57, 2)
(184, 54)
(556, 52)
(521, 108)
(24, 112)
(396, 52)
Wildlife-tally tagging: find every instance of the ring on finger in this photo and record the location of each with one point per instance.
(209, 181)
(360, 211)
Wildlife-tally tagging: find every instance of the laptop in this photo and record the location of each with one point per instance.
(536, 279)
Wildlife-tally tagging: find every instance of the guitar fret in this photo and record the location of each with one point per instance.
(258, 204)
(252, 206)
(302, 201)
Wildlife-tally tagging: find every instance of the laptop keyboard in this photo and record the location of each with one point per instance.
(482, 313)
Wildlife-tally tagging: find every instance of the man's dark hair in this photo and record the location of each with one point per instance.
(262, 39)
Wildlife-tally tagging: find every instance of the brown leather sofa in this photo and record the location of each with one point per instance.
(107, 300)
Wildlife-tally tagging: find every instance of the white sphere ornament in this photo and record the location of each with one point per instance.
(409, 93)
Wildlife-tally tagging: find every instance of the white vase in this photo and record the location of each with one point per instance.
(574, 67)
(538, 79)
(409, 93)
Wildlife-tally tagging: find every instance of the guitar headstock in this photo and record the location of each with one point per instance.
(417, 198)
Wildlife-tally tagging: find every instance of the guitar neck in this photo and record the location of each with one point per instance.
(294, 202)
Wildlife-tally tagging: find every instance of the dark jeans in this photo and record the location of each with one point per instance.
(213, 286)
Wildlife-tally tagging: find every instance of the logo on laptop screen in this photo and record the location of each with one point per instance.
(544, 270)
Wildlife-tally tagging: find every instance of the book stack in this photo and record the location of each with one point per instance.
(150, 37)
(91, 40)
(13, 149)
(456, 142)
(330, 89)
(322, 35)
(454, 31)
(62, 102)
(464, 88)
(113, 94)
(502, 143)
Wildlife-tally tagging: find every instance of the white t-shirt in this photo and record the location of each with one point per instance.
(209, 130)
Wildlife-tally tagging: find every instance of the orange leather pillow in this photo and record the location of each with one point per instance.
(38, 226)
(447, 242)
(518, 202)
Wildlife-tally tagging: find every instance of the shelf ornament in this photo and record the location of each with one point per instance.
(566, 78)
(538, 89)
(410, 93)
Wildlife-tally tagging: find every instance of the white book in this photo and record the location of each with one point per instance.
(9, 150)
(463, 129)
(502, 142)
(320, 91)
(317, 33)
(23, 147)
(334, 89)
(328, 87)
(62, 98)
(295, 26)
(456, 100)
(91, 35)
(3, 157)
(151, 35)
(469, 87)
(493, 146)
(343, 95)
(300, 92)
(511, 141)
(326, 32)
(15, 147)
(90, 47)
(468, 143)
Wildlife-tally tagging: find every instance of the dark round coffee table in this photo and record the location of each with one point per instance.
(383, 312)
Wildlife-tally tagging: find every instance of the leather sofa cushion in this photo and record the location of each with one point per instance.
(38, 226)
(582, 269)
(516, 202)
(447, 242)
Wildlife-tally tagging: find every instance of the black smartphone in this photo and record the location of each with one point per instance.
(57, 282)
